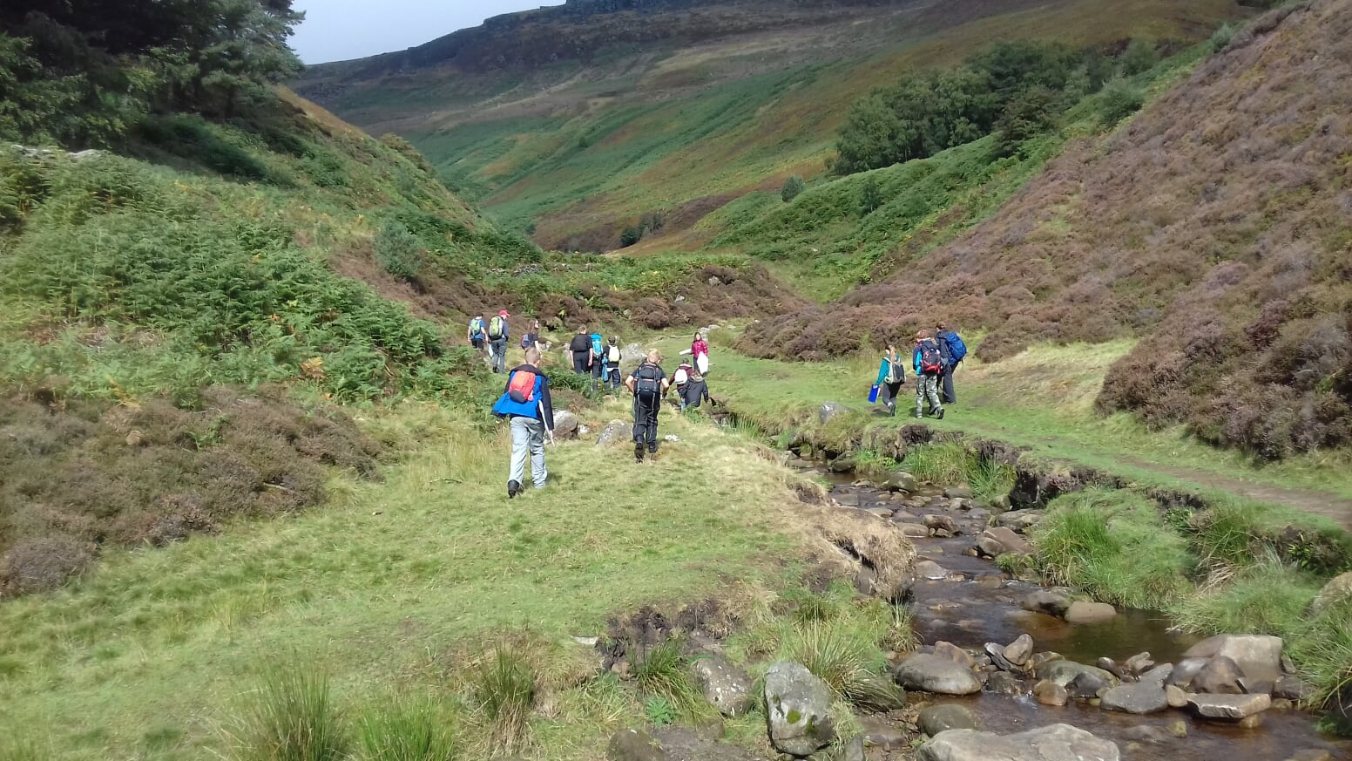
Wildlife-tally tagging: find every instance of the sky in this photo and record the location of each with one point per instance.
(336, 30)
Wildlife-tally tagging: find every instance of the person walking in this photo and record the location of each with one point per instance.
(929, 366)
(678, 381)
(475, 333)
(953, 350)
(598, 360)
(891, 374)
(696, 392)
(532, 335)
(647, 383)
(498, 333)
(613, 359)
(699, 353)
(526, 403)
(580, 348)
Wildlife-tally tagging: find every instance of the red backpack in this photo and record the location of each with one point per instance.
(931, 361)
(521, 388)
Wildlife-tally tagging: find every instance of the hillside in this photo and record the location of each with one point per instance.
(680, 107)
(1214, 225)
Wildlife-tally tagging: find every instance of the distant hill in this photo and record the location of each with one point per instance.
(573, 122)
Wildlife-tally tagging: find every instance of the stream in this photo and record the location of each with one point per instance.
(977, 603)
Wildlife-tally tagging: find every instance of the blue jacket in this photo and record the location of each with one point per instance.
(915, 355)
(541, 406)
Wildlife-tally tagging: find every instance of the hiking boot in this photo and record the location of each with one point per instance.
(513, 489)
(652, 448)
(638, 451)
(941, 414)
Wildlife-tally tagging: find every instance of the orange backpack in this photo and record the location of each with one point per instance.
(521, 388)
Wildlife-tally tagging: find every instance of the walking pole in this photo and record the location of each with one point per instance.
(541, 405)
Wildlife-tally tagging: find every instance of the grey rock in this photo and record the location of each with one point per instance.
(1229, 707)
(841, 465)
(1258, 656)
(1090, 684)
(1018, 520)
(853, 750)
(725, 685)
(1011, 541)
(1082, 612)
(670, 744)
(1020, 650)
(952, 652)
(933, 673)
(1111, 666)
(1003, 683)
(798, 709)
(961, 491)
(1175, 696)
(1337, 588)
(1220, 676)
(912, 530)
(945, 716)
(1147, 734)
(615, 432)
(1064, 672)
(1058, 742)
(1186, 670)
(881, 512)
(944, 522)
(1139, 663)
(900, 480)
(880, 732)
(565, 425)
(829, 410)
(997, 653)
(1049, 693)
(1134, 698)
(990, 547)
(1157, 675)
(1046, 601)
(1293, 688)
(928, 569)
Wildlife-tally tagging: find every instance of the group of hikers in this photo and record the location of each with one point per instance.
(934, 357)
(528, 406)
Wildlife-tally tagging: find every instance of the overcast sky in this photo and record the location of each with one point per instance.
(335, 30)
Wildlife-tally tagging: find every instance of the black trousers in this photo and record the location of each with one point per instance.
(580, 363)
(645, 418)
(887, 393)
(946, 386)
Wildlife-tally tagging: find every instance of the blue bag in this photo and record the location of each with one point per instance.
(873, 395)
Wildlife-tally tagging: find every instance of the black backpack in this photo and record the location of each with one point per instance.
(648, 381)
(580, 344)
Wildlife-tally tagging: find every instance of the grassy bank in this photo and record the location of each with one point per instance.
(392, 588)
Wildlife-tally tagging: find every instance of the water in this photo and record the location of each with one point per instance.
(978, 603)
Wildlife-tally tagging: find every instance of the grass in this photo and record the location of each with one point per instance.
(142, 657)
(663, 672)
(293, 718)
(505, 687)
(409, 729)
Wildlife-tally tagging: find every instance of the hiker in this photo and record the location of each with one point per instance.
(679, 380)
(696, 392)
(891, 374)
(475, 333)
(497, 340)
(647, 383)
(699, 353)
(613, 359)
(929, 366)
(532, 335)
(580, 347)
(526, 403)
(953, 350)
(597, 350)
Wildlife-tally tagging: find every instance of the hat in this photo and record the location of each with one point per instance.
(503, 313)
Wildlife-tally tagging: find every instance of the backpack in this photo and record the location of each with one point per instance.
(931, 362)
(495, 327)
(476, 327)
(894, 372)
(598, 346)
(614, 356)
(578, 344)
(956, 348)
(648, 381)
(521, 388)
(681, 376)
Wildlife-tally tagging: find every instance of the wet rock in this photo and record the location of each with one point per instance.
(725, 685)
(913, 530)
(670, 744)
(1090, 684)
(1219, 676)
(958, 492)
(997, 653)
(1134, 698)
(1051, 743)
(1041, 659)
(1082, 612)
(932, 673)
(1157, 675)
(798, 709)
(900, 480)
(988, 547)
(1049, 693)
(1018, 520)
(830, 410)
(1293, 688)
(1020, 650)
(945, 716)
(1004, 683)
(901, 516)
(565, 425)
(615, 432)
(928, 569)
(1139, 663)
(1177, 728)
(1064, 672)
(1175, 696)
(943, 522)
(1258, 656)
(879, 732)
(841, 465)
(1147, 734)
(1111, 666)
(1229, 707)
(1010, 541)
(950, 651)
(1337, 588)
(1310, 754)
(1046, 601)
(1186, 670)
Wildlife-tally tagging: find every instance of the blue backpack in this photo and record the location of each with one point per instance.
(598, 347)
(956, 348)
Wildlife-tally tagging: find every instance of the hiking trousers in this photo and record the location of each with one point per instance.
(580, 363)
(497, 352)
(528, 442)
(645, 419)
(614, 378)
(887, 394)
(949, 395)
(927, 389)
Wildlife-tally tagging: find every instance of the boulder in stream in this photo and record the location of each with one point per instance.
(945, 716)
(1047, 601)
(1220, 676)
(797, 709)
(1137, 698)
(900, 480)
(1258, 656)
(1004, 683)
(1052, 743)
(1084, 612)
(1064, 672)
(933, 673)
(1229, 707)
(1000, 540)
(1049, 693)
(928, 569)
(1020, 650)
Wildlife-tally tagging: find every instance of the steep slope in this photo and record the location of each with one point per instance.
(686, 105)
(1215, 225)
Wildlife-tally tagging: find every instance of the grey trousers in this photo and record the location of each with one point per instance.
(528, 442)
(497, 352)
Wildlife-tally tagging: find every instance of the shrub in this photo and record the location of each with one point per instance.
(1026, 116)
(792, 188)
(1139, 57)
(870, 196)
(41, 564)
(407, 730)
(505, 687)
(1220, 38)
(397, 250)
(1120, 99)
(293, 718)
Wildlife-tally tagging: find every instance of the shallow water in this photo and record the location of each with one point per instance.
(978, 603)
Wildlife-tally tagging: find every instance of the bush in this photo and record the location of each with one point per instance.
(1025, 117)
(407, 730)
(505, 687)
(397, 250)
(1120, 99)
(1220, 39)
(870, 196)
(1139, 57)
(792, 188)
(41, 564)
(293, 718)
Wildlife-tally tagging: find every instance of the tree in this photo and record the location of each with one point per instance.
(1121, 99)
(870, 196)
(1140, 57)
(397, 250)
(1024, 117)
(791, 188)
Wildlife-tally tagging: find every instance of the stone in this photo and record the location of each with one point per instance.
(940, 522)
(1020, 650)
(1175, 696)
(880, 732)
(1139, 663)
(670, 744)
(1088, 685)
(912, 530)
(900, 480)
(841, 465)
(1111, 666)
(1230, 707)
(1178, 728)
(829, 410)
(1293, 688)
(615, 432)
(1186, 670)
(1082, 612)
(1138, 699)
(1219, 676)
(953, 653)
(989, 547)
(1049, 693)
(928, 569)
(1157, 675)
(1064, 672)
(565, 425)
(933, 673)
(997, 653)
(961, 491)
(1046, 601)
(1057, 742)
(853, 750)
(1041, 659)
(1147, 734)
(1258, 656)
(881, 512)
(943, 717)
(1004, 683)
(724, 684)
(797, 709)
(1011, 541)
(1018, 520)
(1337, 588)
(1310, 754)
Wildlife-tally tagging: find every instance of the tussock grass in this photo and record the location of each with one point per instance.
(1267, 597)
(292, 717)
(846, 656)
(504, 686)
(1323, 649)
(408, 729)
(1115, 546)
(664, 672)
(938, 464)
